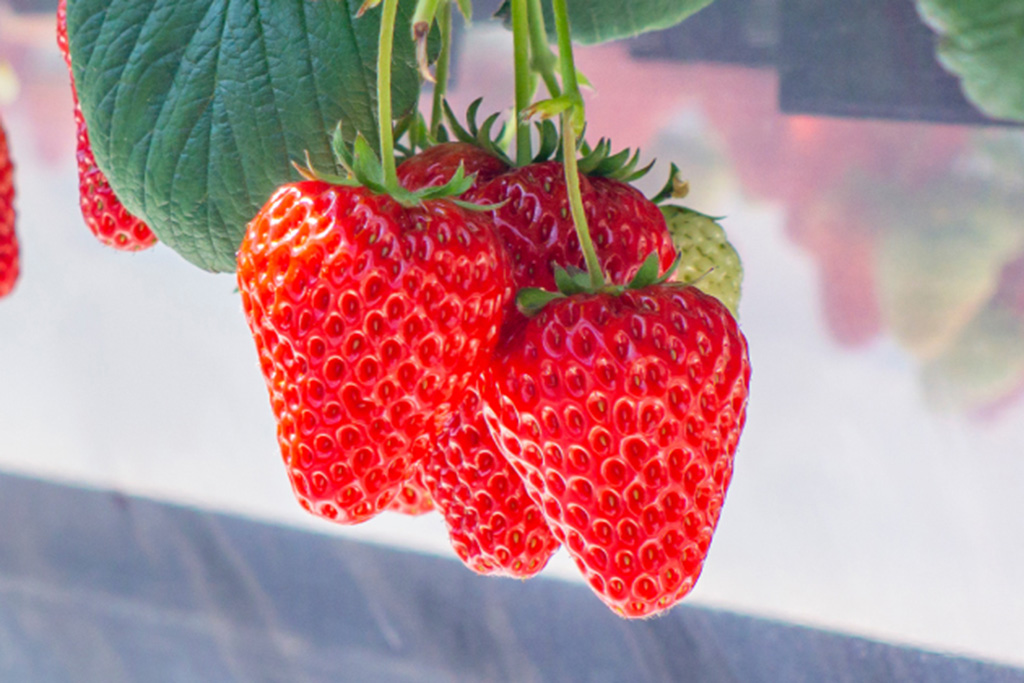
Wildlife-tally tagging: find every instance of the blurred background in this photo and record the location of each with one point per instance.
(879, 214)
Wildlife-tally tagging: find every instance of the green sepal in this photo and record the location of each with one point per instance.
(466, 9)
(675, 187)
(472, 206)
(550, 108)
(456, 186)
(481, 136)
(549, 141)
(647, 275)
(365, 169)
(366, 166)
(667, 275)
(530, 300)
(571, 280)
(341, 149)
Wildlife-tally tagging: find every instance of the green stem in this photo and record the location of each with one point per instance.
(524, 89)
(384, 119)
(543, 60)
(579, 213)
(571, 120)
(441, 70)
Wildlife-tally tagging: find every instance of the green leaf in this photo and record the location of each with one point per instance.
(196, 108)
(601, 21)
(982, 43)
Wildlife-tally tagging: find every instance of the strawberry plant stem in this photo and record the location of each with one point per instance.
(543, 60)
(385, 50)
(572, 121)
(524, 89)
(444, 25)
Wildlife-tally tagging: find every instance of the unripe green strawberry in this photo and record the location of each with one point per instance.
(709, 261)
(982, 365)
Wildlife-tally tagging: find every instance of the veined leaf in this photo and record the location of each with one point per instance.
(196, 108)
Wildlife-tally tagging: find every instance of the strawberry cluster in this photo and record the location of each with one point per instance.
(404, 377)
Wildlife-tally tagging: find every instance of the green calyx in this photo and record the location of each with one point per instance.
(572, 280)
(595, 162)
(674, 188)
(483, 136)
(364, 169)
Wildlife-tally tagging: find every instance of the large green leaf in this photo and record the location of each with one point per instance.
(601, 21)
(196, 108)
(982, 42)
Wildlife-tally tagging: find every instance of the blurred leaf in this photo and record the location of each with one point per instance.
(982, 43)
(601, 21)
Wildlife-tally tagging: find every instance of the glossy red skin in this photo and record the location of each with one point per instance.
(534, 220)
(623, 415)
(413, 498)
(103, 212)
(370, 320)
(495, 527)
(436, 165)
(9, 253)
(536, 225)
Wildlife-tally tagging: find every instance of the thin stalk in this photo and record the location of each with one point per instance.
(570, 120)
(524, 88)
(384, 120)
(579, 213)
(444, 24)
(543, 60)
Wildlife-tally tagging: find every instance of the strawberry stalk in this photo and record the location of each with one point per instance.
(572, 120)
(542, 59)
(444, 24)
(523, 77)
(384, 54)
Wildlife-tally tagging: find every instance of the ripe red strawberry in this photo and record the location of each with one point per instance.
(9, 258)
(493, 524)
(435, 166)
(106, 218)
(537, 228)
(622, 414)
(413, 498)
(533, 218)
(370, 320)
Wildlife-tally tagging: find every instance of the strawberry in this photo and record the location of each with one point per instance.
(622, 414)
(435, 166)
(709, 261)
(106, 218)
(534, 221)
(494, 525)
(414, 497)
(370, 320)
(9, 259)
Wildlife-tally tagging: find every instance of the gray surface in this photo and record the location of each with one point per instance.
(97, 586)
